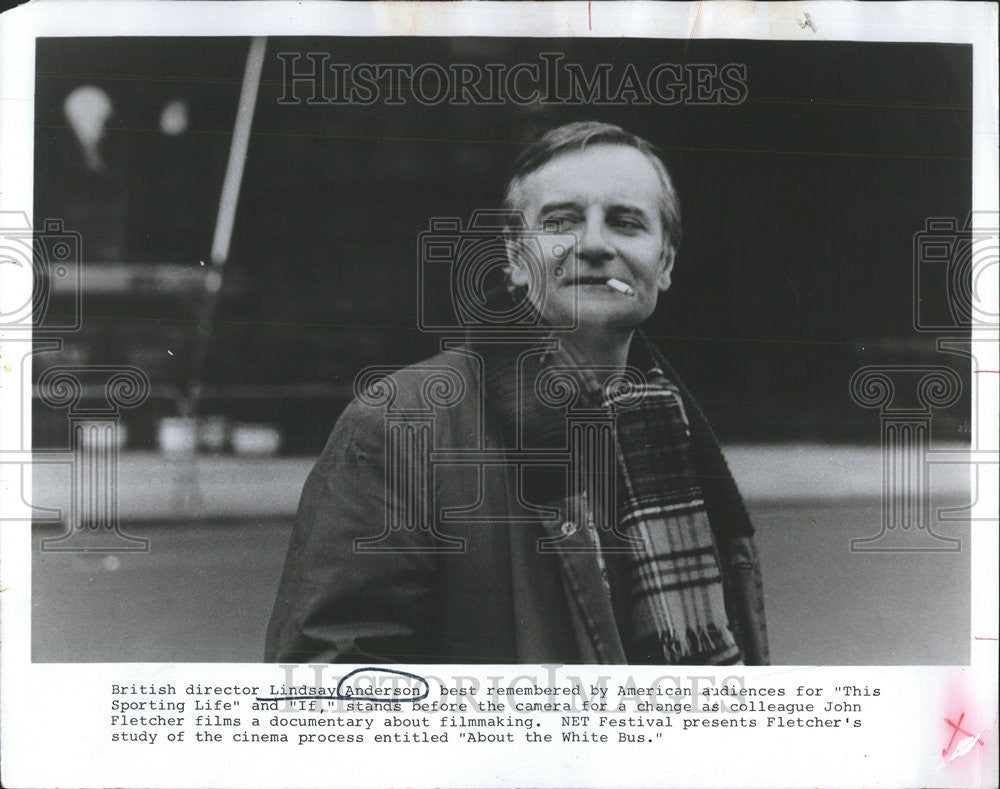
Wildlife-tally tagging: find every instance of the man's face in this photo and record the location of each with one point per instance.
(609, 197)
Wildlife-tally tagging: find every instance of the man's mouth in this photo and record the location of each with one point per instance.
(609, 282)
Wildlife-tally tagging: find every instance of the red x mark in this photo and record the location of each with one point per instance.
(958, 728)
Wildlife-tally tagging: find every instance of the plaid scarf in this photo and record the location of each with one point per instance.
(676, 607)
(668, 602)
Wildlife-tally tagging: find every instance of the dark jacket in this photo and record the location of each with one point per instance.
(468, 583)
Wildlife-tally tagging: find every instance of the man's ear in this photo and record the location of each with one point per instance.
(663, 282)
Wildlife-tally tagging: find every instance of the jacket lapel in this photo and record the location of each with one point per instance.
(510, 374)
(577, 551)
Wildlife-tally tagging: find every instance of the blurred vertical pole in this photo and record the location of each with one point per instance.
(187, 496)
(238, 152)
(226, 218)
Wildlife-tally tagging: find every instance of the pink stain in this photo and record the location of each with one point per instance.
(969, 747)
(956, 729)
(590, 25)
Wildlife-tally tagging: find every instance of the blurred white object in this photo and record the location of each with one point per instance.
(213, 433)
(255, 439)
(174, 118)
(88, 108)
(178, 435)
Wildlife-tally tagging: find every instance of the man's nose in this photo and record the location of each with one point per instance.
(594, 246)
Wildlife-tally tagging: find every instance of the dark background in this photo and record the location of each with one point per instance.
(800, 206)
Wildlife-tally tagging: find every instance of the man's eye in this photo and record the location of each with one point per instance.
(558, 222)
(627, 224)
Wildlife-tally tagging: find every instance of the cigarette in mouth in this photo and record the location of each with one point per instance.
(621, 287)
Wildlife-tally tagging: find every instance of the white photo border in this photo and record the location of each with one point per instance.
(47, 737)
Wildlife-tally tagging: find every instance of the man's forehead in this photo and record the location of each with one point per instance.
(601, 173)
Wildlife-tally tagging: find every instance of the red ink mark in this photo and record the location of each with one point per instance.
(590, 25)
(958, 728)
(985, 638)
(986, 371)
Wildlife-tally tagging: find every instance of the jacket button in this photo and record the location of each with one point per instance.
(568, 528)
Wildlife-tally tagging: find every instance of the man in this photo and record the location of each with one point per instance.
(637, 549)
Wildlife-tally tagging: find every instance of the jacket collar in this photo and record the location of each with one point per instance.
(582, 575)
(529, 423)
